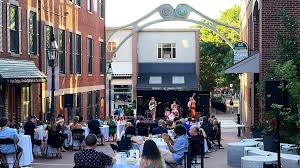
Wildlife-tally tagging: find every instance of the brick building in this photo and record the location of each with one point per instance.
(79, 30)
(260, 22)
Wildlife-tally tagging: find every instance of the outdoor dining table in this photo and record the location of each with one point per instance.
(120, 128)
(104, 130)
(122, 164)
(257, 161)
(26, 157)
(236, 152)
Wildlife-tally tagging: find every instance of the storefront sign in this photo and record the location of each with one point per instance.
(166, 88)
(240, 51)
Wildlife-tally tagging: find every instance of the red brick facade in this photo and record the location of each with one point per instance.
(260, 23)
(70, 17)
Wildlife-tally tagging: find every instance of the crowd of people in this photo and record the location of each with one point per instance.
(201, 133)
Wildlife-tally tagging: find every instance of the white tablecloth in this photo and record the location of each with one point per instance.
(27, 157)
(120, 128)
(236, 152)
(257, 161)
(123, 164)
(104, 130)
(37, 149)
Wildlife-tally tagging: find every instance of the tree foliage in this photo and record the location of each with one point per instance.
(216, 55)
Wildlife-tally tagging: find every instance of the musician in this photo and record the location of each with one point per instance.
(192, 107)
(174, 108)
(152, 107)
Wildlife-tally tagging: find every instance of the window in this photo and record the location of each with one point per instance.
(47, 108)
(14, 28)
(178, 79)
(89, 5)
(32, 33)
(112, 45)
(48, 32)
(166, 50)
(89, 105)
(102, 57)
(90, 55)
(72, 50)
(97, 104)
(78, 110)
(26, 102)
(78, 54)
(101, 9)
(155, 80)
(61, 51)
(78, 2)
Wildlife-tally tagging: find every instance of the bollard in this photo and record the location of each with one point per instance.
(239, 122)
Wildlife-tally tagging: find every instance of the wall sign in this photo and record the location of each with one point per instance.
(240, 51)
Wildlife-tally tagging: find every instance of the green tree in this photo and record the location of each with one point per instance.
(216, 55)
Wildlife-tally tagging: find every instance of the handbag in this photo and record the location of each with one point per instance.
(37, 142)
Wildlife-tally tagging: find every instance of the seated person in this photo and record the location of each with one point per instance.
(178, 147)
(31, 129)
(142, 124)
(186, 126)
(169, 124)
(90, 157)
(128, 138)
(196, 142)
(125, 127)
(6, 132)
(94, 127)
(161, 128)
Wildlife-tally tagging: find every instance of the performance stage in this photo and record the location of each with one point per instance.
(165, 98)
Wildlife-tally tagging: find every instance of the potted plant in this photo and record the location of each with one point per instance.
(269, 135)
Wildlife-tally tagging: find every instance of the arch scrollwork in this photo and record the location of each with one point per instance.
(166, 11)
(183, 11)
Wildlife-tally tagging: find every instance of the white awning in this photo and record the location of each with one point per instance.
(248, 65)
(121, 68)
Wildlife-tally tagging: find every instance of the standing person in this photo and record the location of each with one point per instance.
(151, 156)
(174, 108)
(30, 128)
(231, 105)
(112, 128)
(152, 107)
(89, 157)
(192, 107)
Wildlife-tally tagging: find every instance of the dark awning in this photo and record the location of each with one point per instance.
(20, 71)
(167, 76)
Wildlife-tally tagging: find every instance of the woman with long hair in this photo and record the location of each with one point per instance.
(151, 157)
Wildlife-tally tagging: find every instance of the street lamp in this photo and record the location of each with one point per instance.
(109, 77)
(52, 56)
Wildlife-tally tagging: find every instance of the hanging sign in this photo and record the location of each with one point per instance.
(240, 51)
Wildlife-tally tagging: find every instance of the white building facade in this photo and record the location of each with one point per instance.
(153, 59)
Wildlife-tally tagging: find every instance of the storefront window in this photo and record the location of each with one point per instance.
(122, 95)
(26, 102)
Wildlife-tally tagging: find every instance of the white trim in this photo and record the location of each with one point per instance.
(75, 90)
(13, 2)
(7, 26)
(20, 29)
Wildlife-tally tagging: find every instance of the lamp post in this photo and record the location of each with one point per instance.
(109, 77)
(52, 60)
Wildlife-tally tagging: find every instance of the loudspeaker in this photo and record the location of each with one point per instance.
(275, 95)
(68, 100)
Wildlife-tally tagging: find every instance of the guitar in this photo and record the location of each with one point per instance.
(152, 106)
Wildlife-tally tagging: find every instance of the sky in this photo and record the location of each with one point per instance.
(121, 12)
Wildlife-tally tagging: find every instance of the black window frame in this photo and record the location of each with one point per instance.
(62, 50)
(14, 30)
(71, 54)
(90, 55)
(97, 103)
(32, 33)
(78, 108)
(102, 57)
(78, 53)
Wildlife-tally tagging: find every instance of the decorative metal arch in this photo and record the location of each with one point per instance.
(168, 13)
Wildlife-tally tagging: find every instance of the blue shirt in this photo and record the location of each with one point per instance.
(8, 133)
(180, 146)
